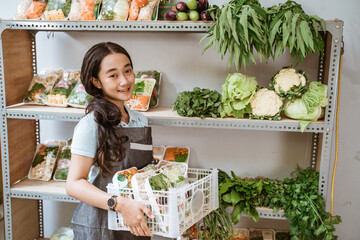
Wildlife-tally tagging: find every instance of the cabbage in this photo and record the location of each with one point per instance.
(296, 109)
(315, 96)
(237, 92)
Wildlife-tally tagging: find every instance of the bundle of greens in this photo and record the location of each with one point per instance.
(297, 196)
(308, 108)
(290, 27)
(240, 27)
(237, 92)
(198, 103)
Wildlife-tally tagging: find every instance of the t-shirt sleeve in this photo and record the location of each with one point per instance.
(85, 137)
(143, 121)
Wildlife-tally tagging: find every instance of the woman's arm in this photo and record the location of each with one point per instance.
(79, 187)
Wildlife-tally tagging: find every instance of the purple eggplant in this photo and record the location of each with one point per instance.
(205, 16)
(181, 7)
(170, 15)
(202, 5)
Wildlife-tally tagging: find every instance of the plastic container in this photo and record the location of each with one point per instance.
(57, 9)
(40, 86)
(240, 234)
(63, 164)
(154, 101)
(282, 235)
(87, 10)
(44, 162)
(75, 12)
(59, 94)
(78, 97)
(36, 9)
(138, 184)
(122, 179)
(51, 71)
(117, 10)
(180, 208)
(158, 153)
(149, 11)
(264, 234)
(140, 99)
(21, 9)
(177, 154)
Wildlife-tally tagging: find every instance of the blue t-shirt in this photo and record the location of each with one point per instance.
(85, 138)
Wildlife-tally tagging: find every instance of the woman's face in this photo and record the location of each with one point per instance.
(116, 77)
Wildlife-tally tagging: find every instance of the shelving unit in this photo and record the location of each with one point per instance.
(19, 122)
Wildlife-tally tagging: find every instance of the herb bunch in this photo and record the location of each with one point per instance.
(198, 103)
(242, 26)
(290, 27)
(297, 196)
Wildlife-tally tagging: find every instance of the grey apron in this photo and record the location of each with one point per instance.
(90, 223)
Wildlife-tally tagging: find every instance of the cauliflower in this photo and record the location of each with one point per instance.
(289, 83)
(266, 104)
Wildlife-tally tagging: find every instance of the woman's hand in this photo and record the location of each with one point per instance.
(133, 214)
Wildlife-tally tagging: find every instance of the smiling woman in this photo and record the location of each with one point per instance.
(101, 146)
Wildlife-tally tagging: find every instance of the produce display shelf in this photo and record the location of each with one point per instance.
(140, 26)
(164, 116)
(42, 190)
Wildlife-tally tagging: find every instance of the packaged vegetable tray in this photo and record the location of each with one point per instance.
(21, 9)
(177, 154)
(44, 162)
(63, 88)
(154, 101)
(122, 178)
(158, 153)
(117, 10)
(40, 86)
(149, 11)
(75, 12)
(63, 164)
(78, 97)
(49, 71)
(36, 9)
(240, 234)
(57, 9)
(178, 208)
(140, 98)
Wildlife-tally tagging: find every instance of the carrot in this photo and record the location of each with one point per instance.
(141, 3)
(35, 9)
(134, 10)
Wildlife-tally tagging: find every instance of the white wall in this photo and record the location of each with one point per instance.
(179, 57)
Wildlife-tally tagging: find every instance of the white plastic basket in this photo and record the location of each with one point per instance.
(178, 209)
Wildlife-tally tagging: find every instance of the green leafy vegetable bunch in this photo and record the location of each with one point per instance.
(290, 27)
(240, 27)
(198, 103)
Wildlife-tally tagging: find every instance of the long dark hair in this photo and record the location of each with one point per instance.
(107, 114)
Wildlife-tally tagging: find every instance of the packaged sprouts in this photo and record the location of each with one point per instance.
(63, 164)
(78, 97)
(39, 88)
(44, 162)
(141, 96)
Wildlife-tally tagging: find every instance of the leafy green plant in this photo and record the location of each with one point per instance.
(239, 27)
(290, 27)
(198, 103)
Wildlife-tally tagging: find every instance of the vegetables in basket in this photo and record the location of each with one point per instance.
(266, 104)
(237, 92)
